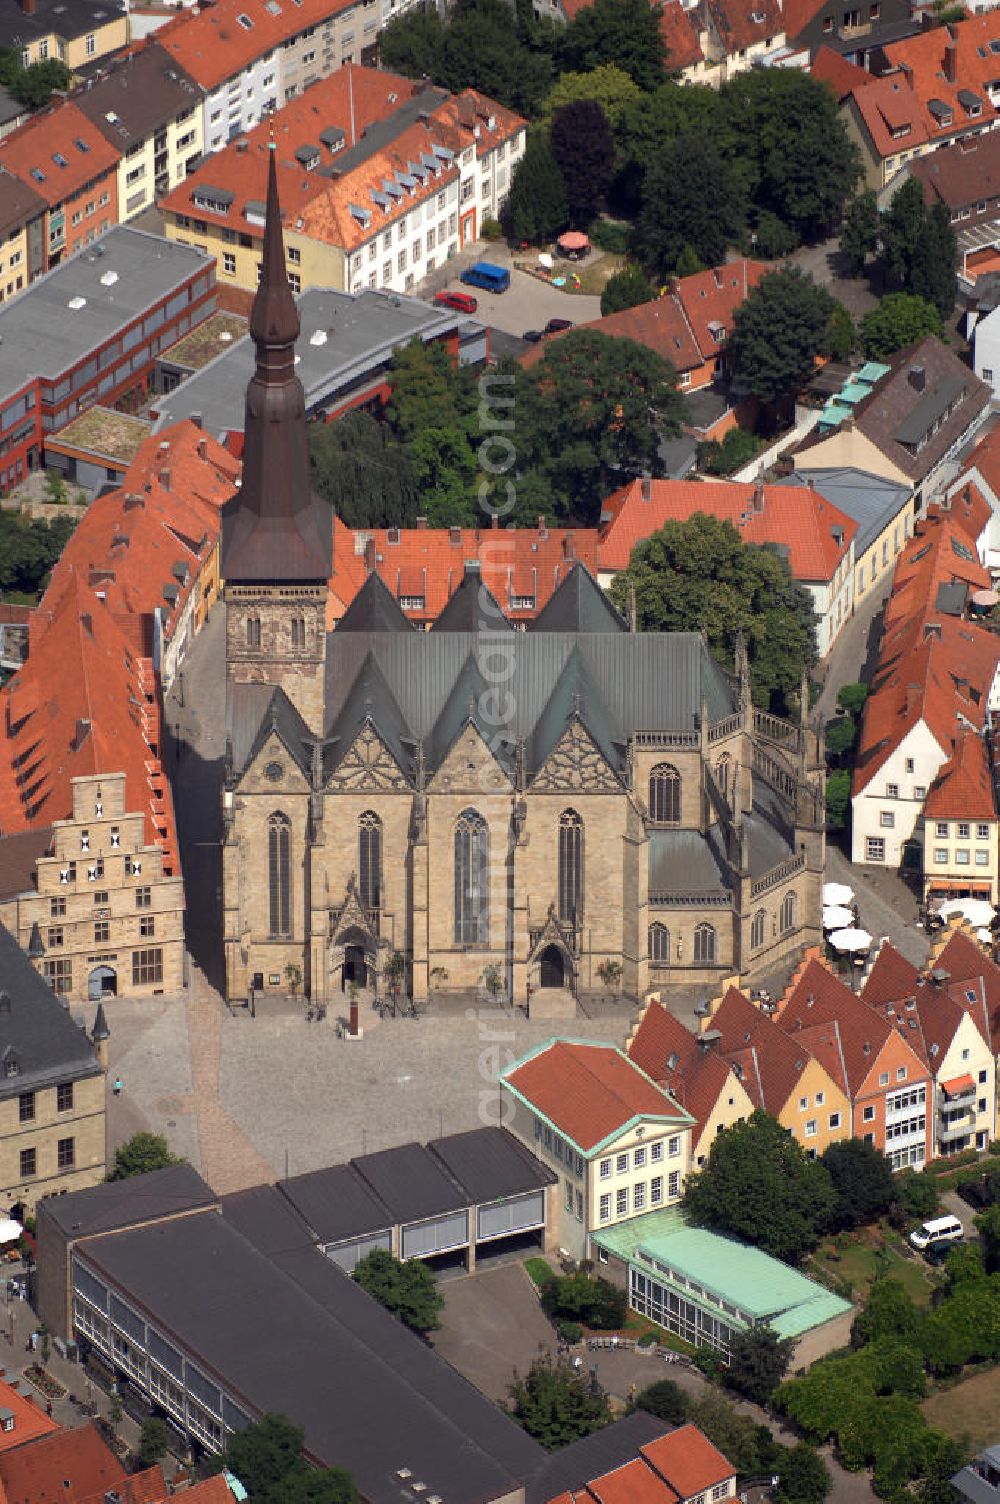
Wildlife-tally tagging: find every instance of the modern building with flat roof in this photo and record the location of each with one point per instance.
(705, 1287)
(90, 331)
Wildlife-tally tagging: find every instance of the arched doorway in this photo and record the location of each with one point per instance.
(552, 967)
(102, 982)
(355, 968)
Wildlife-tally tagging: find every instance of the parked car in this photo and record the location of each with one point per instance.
(939, 1230)
(463, 301)
(532, 336)
(556, 326)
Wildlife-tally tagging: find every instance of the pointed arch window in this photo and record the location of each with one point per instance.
(659, 944)
(788, 913)
(298, 631)
(665, 794)
(705, 943)
(279, 872)
(757, 925)
(570, 865)
(472, 879)
(723, 772)
(370, 860)
(253, 631)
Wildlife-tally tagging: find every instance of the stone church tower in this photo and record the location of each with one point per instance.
(277, 535)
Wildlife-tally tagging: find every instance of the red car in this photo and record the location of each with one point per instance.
(463, 301)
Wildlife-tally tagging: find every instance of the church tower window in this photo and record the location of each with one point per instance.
(472, 879)
(570, 865)
(279, 871)
(370, 860)
(659, 944)
(665, 795)
(253, 631)
(298, 632)
(705, 941)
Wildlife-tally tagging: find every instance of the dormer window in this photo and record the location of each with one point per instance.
(11, 1063)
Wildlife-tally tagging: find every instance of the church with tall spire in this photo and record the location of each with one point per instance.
(576, 807)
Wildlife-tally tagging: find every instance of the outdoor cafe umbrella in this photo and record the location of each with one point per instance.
(837, 893)
(573, 240)
(850, 940)
(986, 936)
(835, 917)
(976, 911)
(985, 598)
(9, 1230)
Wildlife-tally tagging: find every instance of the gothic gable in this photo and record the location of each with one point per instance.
(367, 764)
(275, 768)
(576, 763)
(469, 767)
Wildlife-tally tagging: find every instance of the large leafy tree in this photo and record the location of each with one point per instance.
(759, 1185)
(700, 574)
(28, 551)
(989, 1233)
(677, 211)
(750, 1447)
(623, 32)
(363, 471)
(557, 1405)
(267, 1458)
(482, 45)
(862, 1179)
(408, 1290)
(803, 1476)
(900, 319)
(859, 232)
(758, 1362)
(650, 123)
(537, 206)
(431, 412)
(627, 288)
(665, 1399)
(919, 247)
(888, 1315)
(585, 150)
(143, 1152)
(608, 85)
(778, 332)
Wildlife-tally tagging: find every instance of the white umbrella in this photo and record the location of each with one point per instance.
(9, 1230)
(850, 940)
(835, 917)
(986, 936)
(977, 911)
(834, 893)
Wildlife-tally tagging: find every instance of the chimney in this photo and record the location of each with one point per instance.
(455, 535)
(164, 479)
(133, 500)
(87, 624)
(422, 523)
(647, 488)
(81, 734)
(195, 418)
(932, 629)
(543, 531)
(951, 60)
(917, 377)
(912, 698)
(709, 1040)
(28, 6)
(569, 546)
(203, 449)
(758, 496)
(370, 555)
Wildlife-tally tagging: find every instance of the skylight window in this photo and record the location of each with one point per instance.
(59, 159)
(244, 20)
(38, 175)
(81, 145)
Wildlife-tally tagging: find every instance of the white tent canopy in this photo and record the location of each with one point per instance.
(836, 893)
(836, 917)
(976, 911)
(850, 940)
(9, 1230)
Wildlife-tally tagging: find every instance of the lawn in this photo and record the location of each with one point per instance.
(967, 1409)
(861, 1259)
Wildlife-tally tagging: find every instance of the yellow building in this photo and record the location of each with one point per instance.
(960, 829)
(76, 35)
(52, 1097)
(620, 1144)
(22, 220)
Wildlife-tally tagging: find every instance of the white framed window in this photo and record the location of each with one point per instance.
(835, 1120)
(883, 1078)
(656, 1190)
(874, 849)
(229, 264)
(982, 858)
(604, 1169)
(621, 1163)
(892, 791)
(604, 1208)
(803, 1104)
(656, 1151)
(941, 830)
(811, 1128)
(639, 1196)
(673, 1185)
(868, 1114)
(674, 1146)
(963, 830)
(621, 1201)
(940, 854)
(639, 1157)
(887, 819)
(901, 1073)
(820, 1098)
(982, 831)
(962, 856)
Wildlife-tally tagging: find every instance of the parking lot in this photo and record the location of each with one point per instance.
(527, 304)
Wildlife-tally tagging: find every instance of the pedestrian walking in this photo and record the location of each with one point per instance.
(117, 1088)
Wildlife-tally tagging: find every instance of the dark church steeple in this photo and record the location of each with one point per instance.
(275, 530)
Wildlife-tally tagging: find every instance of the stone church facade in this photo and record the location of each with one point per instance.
(477, 805)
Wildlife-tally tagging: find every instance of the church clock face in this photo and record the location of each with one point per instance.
(274, 771)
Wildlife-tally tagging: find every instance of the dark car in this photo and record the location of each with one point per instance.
(532, 336)
(556, 326)
(975, 1193)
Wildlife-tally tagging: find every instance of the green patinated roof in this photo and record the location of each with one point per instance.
(872, 371)
(758, 1284)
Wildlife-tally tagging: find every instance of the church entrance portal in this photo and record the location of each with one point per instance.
(552, 967)
(355, 969)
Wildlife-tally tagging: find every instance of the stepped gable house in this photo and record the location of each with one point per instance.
(541, 801)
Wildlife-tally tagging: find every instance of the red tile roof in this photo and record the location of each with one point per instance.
(213, 45)
(680, 36)
(710, 299)
(964, 961)
(589, 1091)
(963, 790)
(923, 58)
(213, 1491)
(699, 1076)
(798, 518)
(770, 1064)
(57, 132)
(30, 1420)
(147, 1487)
(891, 978)
(829, 67)
(940, 553)
(688, 1461)
(68, 1466)
(886, 105)
(635, 1483)
(984, 461)
(798, 14)
(741, 24)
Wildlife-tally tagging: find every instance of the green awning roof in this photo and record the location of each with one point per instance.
(872, 371)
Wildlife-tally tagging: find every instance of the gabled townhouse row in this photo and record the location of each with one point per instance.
(382, 179)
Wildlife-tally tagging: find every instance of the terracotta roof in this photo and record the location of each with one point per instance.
(798, 14)
(680, 36)
(516, 564)
(970, 509)
(147, 1487)
(688, 1461)
(635, 1483)
(57, 152)
(213, 1491)
(770, 1064)
(892, 977)
(923, 57)
(886, 105)
(699, 1076)
(19, 202)
(963, 790)
(799, 519)
(710, 299)
(30, 1420)
(828, 66)
(741, 24)
(213, 44)
(984, 460)
(68, 1466)
(962, 174)
(413, 118)
(589, 1091)
(964, 961)
(940, 555)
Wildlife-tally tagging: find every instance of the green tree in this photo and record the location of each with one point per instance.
(264, 1454)
(851, 698)
(35, 87)
(918, 1193)
(143, 1152)
(359, 466)
(649, 124)
(579, 1297)
(328, 1485)
(688, 264)
(900, 319)
(758, 1362)
(408, 1290)
(919, 247)
(665, 1399)
(839, 333)
(627, 288)
(412, 42)
(676, 211)
(841, 735)
(838, 798)
(483, 44)
(888, 1315)
(736, 449)
(537, 207)
(759, 1185)
(989, 1233)
(778, 332)
(859, 232)
(609, 86)
(803, 1476)
(750, 1447)
(555, 1404)
(623, 32)
(700, 574)
(862, 1179)
(584, 148)
(154, 1442)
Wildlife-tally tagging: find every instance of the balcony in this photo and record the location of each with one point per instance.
(959, 1126)
(960, 1089)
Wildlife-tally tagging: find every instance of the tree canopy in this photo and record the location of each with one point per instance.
(625, 33)
(862, 1179)
(859, 232)
(608, 85)
(585, 151)
(803, 1476)
(759, 1185)
(408, 1290)
(556, 1404)
(900, 319)
(919, 247)
(537, 207)
(28, 550)
(142, 1152)
(778, 332)
(665, 1399)
(32, 86)
(627, 288)
(758, 1361)
(267, 1458)
(701, 574)
(676, 211)
(363, 471)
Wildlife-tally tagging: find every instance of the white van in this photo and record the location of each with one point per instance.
(938, 1230)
